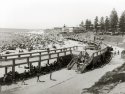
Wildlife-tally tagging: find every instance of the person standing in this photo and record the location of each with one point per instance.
(38, 75)
(4, 78)
(23, 78)
(23, 81)
(50, 72)
(50, 75)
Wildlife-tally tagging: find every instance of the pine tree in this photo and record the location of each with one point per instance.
(81, 24)
(113, 20)
(88, 24)
(96, 23)
(122, 23)
(102, 24)
(107, 24)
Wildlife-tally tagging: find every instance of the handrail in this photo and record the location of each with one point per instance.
(31, 53)
(70, 65)
(33, 56)
(32, 59)
(100, 51)
(86, 63)
(92, 56)
(90, 59)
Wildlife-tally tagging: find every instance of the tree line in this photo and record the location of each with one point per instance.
(111, 23)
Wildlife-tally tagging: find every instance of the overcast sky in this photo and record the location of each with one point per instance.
(53, 13)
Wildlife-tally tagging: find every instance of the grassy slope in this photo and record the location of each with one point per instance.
(107, 82)
(115, 40)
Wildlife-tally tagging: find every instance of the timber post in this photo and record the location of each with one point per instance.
(13, 69)
(65, 53)
(5, 70)
(39, 63)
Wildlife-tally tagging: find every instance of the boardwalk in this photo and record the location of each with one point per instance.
(67, 81)
(23, 57)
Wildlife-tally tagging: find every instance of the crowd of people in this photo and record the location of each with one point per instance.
(29, 41)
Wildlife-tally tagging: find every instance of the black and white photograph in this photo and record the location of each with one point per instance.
(62, 46)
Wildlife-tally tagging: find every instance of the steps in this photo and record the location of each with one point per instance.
(72, 62)
(86, 64)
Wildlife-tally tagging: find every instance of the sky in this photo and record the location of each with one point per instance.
(41, 14)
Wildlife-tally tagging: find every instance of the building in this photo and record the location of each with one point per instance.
(73, 29)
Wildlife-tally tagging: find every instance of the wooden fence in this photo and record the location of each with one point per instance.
(13, 60)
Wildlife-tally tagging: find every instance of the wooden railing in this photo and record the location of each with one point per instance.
(86, 63)
(13, 60)
(100, 52)
(38, 56)
(72, 62)
(7, 56)
(97, 53)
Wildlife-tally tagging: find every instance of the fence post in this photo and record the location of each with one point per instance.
(0, 87)
(5, 70)
(70, 48)
(48, 50)
(61, 50)
(97, 53)
(19, 55)
(66, 49)
(100, 52)
(28, 62)
(48, 61)
(49, 56)
(13, 69)
(65, 53)
(30, 54)
(5, 57)
(70, 51)
(39, 63)
(57, 55)
(77, 47)
(93, 54)
(55, 51)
